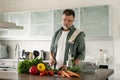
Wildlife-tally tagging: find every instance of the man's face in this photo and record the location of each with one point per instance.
(67, 21)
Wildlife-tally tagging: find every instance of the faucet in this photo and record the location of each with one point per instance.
(17, 51)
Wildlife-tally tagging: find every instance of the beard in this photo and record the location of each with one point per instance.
(65, 27)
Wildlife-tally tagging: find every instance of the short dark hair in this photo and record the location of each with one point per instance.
(69, 12)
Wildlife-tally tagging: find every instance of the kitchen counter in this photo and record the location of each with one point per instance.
(100, 74)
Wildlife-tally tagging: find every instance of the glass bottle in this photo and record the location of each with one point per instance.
(103, 56)
(70, 62)
(100, 57)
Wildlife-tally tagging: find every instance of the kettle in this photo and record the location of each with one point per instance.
(3, 51)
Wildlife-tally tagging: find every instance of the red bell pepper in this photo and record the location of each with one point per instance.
(33, 70)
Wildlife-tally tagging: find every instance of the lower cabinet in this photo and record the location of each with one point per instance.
(8, 65)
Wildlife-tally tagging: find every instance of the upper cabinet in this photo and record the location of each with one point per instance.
(42, 23)
(94, 20)
(20, 18)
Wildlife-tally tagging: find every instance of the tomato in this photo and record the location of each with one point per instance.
(33, 70)
(59, 73)
(51, 73)
(46, 72)
(42, 73)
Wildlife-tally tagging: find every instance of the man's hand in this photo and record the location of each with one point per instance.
(77, 61)
(52, 59)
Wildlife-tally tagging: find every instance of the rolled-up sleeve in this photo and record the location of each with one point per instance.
(81, 46)
(53, 42)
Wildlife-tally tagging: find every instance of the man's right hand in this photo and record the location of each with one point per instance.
(52, 59)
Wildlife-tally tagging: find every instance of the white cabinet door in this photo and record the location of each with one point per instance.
(42, 23)
(41, 17)
(95, 20)
(41, 30)
(4, 17)
(23, 19)
(20, 18)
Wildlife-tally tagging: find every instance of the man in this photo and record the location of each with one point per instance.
(60, 46)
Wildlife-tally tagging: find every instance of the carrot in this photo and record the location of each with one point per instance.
(72, 73)
(62, 74)
(66, 74)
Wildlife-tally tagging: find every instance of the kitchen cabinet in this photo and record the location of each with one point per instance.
(20, 18)
(8, 64)
(2, 31)
(93, 20)
(7, 17)
(41, 23)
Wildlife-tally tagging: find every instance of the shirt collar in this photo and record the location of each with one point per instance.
(71, 28)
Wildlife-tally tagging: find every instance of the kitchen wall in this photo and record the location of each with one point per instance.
(92, 46)
(27, 46)
(23, 5)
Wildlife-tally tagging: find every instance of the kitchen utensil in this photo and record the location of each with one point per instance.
(43, 54)
(25, 55)
(36, 53)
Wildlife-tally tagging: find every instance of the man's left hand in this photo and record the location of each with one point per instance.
(77, 61)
